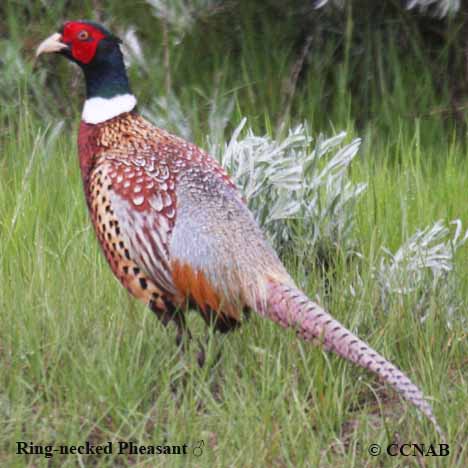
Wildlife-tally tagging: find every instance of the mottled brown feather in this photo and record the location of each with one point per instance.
(127, 157)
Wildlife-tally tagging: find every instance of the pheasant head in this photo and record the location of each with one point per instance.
(97, 52)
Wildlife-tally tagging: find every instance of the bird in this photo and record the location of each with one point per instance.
(174, 227)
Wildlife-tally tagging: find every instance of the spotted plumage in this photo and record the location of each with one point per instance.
(130, 174)
(172, 224)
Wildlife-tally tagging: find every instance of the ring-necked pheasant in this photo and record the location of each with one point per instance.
(173, 225)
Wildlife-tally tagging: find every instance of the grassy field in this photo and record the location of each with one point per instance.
(82, 361)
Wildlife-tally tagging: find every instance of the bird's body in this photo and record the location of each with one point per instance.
(174, 227)
(171, 223)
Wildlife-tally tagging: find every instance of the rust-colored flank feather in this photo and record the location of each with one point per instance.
(195, 284)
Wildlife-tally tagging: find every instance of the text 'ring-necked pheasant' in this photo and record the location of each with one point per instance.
(174, 227)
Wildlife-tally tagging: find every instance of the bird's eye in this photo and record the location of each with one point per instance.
(83, 35)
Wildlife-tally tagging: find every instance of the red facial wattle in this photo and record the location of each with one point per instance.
(83, 40)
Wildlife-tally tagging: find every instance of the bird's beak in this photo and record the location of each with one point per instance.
(51, 44)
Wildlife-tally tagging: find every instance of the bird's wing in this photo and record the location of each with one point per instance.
(142, 197)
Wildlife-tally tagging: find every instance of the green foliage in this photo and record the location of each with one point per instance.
(82, 361)
(299, 192)
(439, 8)
(424, 262)
(364, 66)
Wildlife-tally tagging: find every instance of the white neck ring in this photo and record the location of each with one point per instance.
(98, 109)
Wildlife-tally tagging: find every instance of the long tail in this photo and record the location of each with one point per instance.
(290, 307)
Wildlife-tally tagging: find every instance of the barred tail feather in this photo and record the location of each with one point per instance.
(289, 307)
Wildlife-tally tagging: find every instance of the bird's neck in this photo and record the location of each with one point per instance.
(107, 89)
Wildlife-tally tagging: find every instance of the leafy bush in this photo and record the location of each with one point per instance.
(292, 186)
(422, 265)
(439, 8)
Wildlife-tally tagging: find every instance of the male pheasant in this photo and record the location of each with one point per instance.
(172, 224)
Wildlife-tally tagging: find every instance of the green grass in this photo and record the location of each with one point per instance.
(82, 361)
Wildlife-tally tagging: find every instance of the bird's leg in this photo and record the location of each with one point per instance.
(183, 337)
(201, 355)
(171, 313)
(164, 310)
(215, 323)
